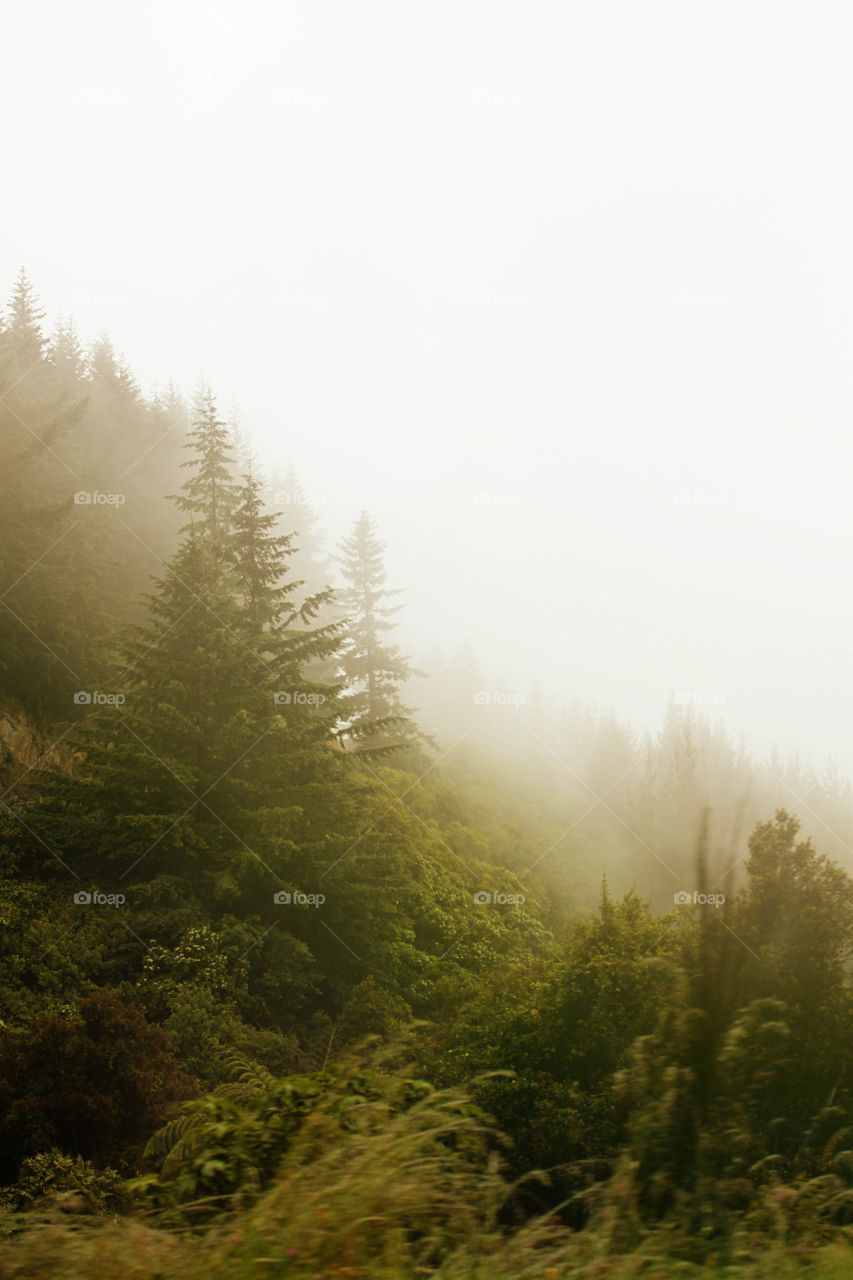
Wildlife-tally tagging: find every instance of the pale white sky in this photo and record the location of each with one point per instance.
(561, 292)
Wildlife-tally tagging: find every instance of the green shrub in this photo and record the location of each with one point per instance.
(225, 1148)
(52, 1172)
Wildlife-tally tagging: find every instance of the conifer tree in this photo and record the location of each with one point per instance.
(209, 497)
(101, 360)
(105, 366)
(374, 668)
(25, 321)
(240, 445)
(43, 647)
(214, 783)
(65, 349)
(258, 554)
(299, 517)
(262, 556)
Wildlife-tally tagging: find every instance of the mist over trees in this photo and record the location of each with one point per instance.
(279, 900)
(373, 666)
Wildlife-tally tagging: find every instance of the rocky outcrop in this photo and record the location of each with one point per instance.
(24, 744)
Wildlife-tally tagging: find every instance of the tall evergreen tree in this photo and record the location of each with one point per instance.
(299, 517)
(45, 637)
(374, 668)
(261, 557)
(217, 782)
(25, 321)
(65, 349)
(258, 555)
(209, 497)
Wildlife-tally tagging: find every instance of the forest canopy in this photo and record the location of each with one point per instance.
(274, 896)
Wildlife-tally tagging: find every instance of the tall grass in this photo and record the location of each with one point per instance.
(376, 1192)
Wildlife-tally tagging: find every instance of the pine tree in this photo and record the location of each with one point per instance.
(210, 495)
(279, 625)
(240, 445)
(101, 360)
(299, 517)
(25, 321)
(65, 349)
(374, 668)
(215, 782)
(104, 365)
(263, 561)
(259, 554)
(46, 640)
(127, 383)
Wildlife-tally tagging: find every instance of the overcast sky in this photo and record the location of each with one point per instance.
(561, 292)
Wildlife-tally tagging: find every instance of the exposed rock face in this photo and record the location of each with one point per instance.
(24, 743)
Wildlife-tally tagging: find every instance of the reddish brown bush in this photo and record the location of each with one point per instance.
(95, 1085)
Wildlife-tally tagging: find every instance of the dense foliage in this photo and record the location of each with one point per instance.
(267, 955)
